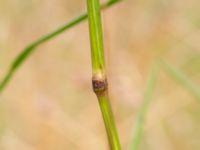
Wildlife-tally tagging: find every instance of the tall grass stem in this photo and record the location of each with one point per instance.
(99, 80)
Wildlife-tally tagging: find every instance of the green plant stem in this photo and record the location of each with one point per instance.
(98, 72)
(109, 122)
(140, 118)
(31, 47)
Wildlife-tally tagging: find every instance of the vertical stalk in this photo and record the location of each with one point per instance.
(99, 81)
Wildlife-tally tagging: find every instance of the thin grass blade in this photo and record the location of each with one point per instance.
(140, 118)
(20, 59)
(181, 79)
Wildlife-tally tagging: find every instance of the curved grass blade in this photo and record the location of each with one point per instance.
(181, 79)
(29, 49)
(177, 76)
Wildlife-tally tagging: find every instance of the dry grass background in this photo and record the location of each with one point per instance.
(49, 105)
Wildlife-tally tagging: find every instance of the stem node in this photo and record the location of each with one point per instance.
(100, 85)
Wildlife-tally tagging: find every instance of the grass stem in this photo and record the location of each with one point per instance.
(99, 81)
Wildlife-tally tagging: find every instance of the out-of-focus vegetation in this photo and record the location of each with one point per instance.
(43, 107)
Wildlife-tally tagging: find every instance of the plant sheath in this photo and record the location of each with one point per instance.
(99, 81)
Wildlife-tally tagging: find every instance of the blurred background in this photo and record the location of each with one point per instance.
(49, 103)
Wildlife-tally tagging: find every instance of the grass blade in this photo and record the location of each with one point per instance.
(30, 48)
(181, 79)
(140, 118)
(177, 76)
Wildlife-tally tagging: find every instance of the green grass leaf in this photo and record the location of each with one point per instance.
(20, 59)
